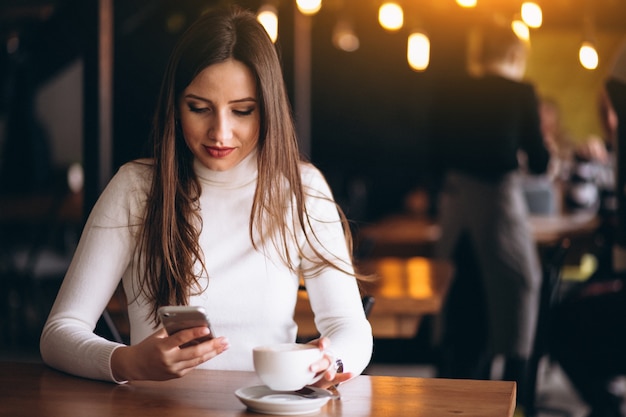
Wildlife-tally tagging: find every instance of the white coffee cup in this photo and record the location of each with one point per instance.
(286, 366)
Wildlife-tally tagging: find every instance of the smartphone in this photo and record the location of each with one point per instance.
(177, 318)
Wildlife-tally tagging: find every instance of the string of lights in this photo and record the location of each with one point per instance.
(391, 17)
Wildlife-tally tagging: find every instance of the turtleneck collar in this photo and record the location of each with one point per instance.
(241, 174)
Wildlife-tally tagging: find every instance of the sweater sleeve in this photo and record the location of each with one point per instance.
(334, 295)
(68, 341)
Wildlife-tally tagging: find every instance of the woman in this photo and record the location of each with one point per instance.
(224, 216)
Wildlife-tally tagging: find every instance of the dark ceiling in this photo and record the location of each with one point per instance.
(605, 14)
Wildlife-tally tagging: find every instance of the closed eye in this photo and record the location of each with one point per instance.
(195, 109)
(246, 112)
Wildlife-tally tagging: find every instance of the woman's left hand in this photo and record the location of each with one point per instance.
(327, 364)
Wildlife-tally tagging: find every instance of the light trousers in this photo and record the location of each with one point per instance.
(495, 218)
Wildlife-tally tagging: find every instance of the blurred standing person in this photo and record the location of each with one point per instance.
(478, 129)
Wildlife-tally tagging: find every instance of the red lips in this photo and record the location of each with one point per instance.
(218, 152)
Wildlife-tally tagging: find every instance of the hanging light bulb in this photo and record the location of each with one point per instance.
(309, 7)
(466, 3)
(532, 14)
(520, 29)
(268, 17)
(344, 37)
(588, 56)
(418, 51)
(391, 16)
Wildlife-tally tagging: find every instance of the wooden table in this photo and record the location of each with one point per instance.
(406, 235)
(28, 389)
(411, 287)
(406, 290)
(402, 235)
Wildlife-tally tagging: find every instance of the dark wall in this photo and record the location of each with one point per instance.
(369, 110)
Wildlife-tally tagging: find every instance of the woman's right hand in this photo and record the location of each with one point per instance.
(159, 357)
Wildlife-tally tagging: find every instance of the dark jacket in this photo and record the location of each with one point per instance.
(479, 124)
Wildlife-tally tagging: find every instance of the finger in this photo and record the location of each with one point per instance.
(191, 357)
(323, 343)
(204, 351)
(334, 380)
(324, 364)
(342, 377)
(183, 366)
(188, 336)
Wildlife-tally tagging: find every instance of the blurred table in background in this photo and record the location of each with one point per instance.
(399, 235)
(35, 208)
(405, 290)
(406, 235)
(38, 234)
(550, 229)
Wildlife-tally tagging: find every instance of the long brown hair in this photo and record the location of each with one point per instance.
(169, 237)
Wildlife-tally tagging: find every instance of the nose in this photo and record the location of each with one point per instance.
(221, 129)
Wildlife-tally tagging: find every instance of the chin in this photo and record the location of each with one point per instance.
(220, 165)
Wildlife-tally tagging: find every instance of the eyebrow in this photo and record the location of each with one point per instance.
(240, 100)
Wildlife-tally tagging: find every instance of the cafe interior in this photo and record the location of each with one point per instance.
(79, 79)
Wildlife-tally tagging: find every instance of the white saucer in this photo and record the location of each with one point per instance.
(285, 403)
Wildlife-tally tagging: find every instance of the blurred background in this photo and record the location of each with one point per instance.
(79, 79)
(361, 114)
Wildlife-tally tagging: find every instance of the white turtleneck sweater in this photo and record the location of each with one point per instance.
(250, 294)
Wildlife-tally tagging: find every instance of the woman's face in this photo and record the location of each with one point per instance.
(220, 116)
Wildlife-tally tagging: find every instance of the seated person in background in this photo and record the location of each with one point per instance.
(225, 216)
(591, 182)
(589, 326)
(544, 192)
(555, 137)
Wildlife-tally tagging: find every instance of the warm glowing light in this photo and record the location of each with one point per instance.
(268, 17)
(417, 272)
(418, 51)
(344, 37)
(466, 3)
(309, 7)
(391, 16)
(520, 29)
(532, 14)
(391, 270)
(588, 56)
